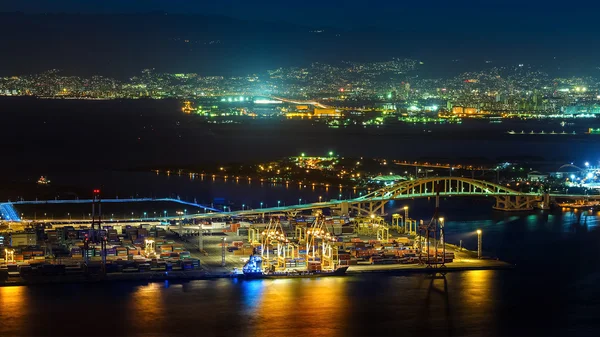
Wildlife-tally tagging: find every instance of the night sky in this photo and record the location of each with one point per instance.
(544, 17)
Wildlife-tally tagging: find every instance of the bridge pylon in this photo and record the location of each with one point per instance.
(511, 203)
(368, 208)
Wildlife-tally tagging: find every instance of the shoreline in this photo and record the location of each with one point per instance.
(203, 275)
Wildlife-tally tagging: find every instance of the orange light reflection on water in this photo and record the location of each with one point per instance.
(478, 291)
(147, 308)
(310, 307)
(14, 310)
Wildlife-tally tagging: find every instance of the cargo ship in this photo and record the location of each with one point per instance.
(253, 270)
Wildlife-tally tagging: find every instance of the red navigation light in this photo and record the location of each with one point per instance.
(96, 191)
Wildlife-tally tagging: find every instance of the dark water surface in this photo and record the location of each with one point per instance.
(474, 303)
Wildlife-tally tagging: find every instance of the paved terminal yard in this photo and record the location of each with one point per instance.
(211, 262)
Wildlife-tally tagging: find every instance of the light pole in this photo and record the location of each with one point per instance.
(406, 220)
(479, 243)
(165, 213)
(144, 214)
(223, 252)
(442, 241)
(320, 197)
(243, 207)
(278, 203)
(261, 204)
(442, 231)
(200, 238)
(299, 201)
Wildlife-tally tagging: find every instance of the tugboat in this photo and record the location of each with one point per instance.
(43, 181)
(253, 270)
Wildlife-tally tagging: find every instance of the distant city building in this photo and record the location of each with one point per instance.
(566, 171)
(537, 176)
(458, 110)
(470, 111)
(326, 113)
(591, 109)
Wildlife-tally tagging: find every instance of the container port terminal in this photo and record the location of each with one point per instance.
(157, 251)
(305, 240)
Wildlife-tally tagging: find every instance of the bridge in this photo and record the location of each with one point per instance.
(9, 214)
(374, 203)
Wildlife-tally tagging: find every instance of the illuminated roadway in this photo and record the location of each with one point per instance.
(315, 103)
(9, 214)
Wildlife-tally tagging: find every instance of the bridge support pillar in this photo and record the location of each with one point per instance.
(545, 203)
(512, 203)
(344, 208)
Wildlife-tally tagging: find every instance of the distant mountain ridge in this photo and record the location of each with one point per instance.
(121, 44)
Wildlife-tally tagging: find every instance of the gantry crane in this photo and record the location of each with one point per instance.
(274, 236)
(368, 225)
(320, 243)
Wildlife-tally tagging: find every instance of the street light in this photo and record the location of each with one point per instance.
(223, 252)
(278, 202)
(479, 243)
(320, 197)
(243, 206)
(165, 213)
(144, 214)
(261, 204)
(299, 201)
(441, 221)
